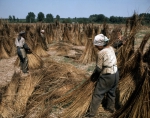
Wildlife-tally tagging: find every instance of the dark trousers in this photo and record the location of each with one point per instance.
(105, 84)
(23, 61)
(44, 43)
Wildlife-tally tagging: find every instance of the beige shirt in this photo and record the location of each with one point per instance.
(20, 43)
(107, 61)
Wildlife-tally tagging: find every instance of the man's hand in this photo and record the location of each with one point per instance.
(29, 51)
(95, 75)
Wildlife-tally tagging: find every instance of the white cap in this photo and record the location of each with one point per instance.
(42, 31)
(100, 40)
(22, 32)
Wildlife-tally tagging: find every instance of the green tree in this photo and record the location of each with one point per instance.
(57, 17)
(68, 20)
(10, 18)
(30, 18)
(17, 20)
(100, 18)
(49, 18)
(92, 18)
(40, 16)
(14, 19)
(112, 19)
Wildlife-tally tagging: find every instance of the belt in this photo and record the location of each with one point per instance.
(20, 47)
(107, 74)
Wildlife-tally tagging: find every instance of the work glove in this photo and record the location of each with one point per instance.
(95, 75)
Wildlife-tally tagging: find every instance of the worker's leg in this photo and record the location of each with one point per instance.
(21, 58)
(102, 86)
(25, 65)
(112, 94)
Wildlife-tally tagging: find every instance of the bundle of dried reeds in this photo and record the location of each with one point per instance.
(138, 104)
(50, 34)
(13, 50)
(113, 35)
(6, 105)
(131, 75)
(51, 87)
(40, 51)
(6, 45)
(78, 36)
(25, 89)
(146, 56)
(34, 61)
(76, 103)
(136, 57)
(89, 54)
(127, 50)
(105, 30)
(4, 53)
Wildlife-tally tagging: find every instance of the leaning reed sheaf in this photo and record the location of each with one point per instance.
(34, 61)
(4, 53)
(40, 51)
(8, 98)
(89, 54)
(146, 56)
(136, 57)
(138, 105)
(57, 80)
(127, 50)
(74, 104)
(131, 75)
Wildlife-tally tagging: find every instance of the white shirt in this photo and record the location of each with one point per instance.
(107, 61)
(20, 43)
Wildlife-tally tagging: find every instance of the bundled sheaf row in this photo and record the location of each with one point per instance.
(76, 34)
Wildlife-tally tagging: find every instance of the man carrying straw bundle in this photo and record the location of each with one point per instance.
(108, 76)
(43, 40)
(22, 49)
(119, 41)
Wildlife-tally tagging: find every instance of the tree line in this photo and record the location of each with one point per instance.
(96, 18)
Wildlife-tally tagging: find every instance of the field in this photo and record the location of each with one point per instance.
(66, 66)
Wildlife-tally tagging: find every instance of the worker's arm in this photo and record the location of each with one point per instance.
(117, 44)
(95, 74)
(25, 46)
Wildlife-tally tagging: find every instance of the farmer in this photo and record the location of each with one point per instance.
(108, 77)
(43, 40)
(119, 41)
(22, 49)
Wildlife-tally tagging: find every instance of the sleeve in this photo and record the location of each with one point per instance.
(117, 44)
(23, 41)
(95, 75)
(100, 61)
(25, 46)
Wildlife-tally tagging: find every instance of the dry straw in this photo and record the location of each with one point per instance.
(57, 80)
(8, 98)
(134, 98)
(40, 51)
(4, 53)
(137, 105)
(34, 61)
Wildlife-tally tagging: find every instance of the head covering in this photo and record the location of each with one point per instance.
(100, 40)
(22, 32)
(42, 31)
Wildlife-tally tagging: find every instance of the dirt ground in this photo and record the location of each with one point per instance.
(7, 70)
